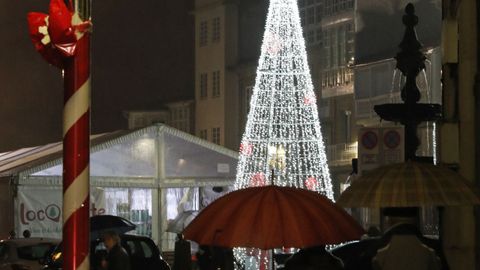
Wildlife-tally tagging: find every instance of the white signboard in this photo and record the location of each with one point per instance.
(39, 210)
(380, 146)
(223, 167)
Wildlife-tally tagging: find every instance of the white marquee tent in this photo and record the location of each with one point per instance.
(149, 176)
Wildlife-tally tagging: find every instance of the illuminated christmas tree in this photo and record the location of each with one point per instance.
(282, 140)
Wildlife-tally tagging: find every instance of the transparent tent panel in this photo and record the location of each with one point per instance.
(135, 157)
(188, 159)
(52, 171)
(138, 157)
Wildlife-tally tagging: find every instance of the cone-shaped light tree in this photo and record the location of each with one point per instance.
(282, 140)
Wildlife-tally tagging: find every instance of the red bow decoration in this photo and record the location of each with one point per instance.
(55, 36)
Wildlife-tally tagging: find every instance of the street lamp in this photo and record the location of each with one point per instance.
(276, 160)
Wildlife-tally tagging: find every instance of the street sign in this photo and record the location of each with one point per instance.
(391, 139)
(369, 139)
(380, 146)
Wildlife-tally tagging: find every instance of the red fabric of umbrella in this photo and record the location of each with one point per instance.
(272, 217)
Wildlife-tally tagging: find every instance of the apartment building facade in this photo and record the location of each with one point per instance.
(216, 87)
(177, 114)
(232, 49)
(329, 30)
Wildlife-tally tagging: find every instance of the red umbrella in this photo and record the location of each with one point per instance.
(272, 217)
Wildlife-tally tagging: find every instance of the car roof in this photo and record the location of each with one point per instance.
(133, 236)
(125, 237)
(30, 241)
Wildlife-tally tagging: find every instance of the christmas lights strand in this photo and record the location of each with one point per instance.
(283, 130)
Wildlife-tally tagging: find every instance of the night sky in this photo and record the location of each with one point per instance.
(380, 29)
(143, 56)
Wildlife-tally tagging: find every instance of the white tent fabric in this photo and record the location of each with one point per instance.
(134, 172)
(159, 152)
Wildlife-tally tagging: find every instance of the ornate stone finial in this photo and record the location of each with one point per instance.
(410, 61)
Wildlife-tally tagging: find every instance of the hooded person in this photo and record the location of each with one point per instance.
(117, 258)
(406, 247)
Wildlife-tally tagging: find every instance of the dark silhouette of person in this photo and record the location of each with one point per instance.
(183, 257)
(204, 258)
(214, 258)
(222, 258)
(400, 221)
(315, 258)
(117, 258)
(372, 231)
(26, 234)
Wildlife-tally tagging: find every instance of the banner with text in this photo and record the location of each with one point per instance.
(39, 210)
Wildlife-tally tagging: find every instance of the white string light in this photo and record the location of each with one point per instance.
(283, 129)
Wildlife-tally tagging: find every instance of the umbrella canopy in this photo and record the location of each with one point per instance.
(271, 217)
(102, 223)
(178, 224)
(409, 184)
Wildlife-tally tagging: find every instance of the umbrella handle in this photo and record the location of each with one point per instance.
(273, 177)
(273, 259)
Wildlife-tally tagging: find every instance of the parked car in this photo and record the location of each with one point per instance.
(24, 253)
(142, 251)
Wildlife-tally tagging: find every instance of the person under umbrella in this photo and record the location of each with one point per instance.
(117, 258)
(406, 247)
(402, 236)
(183, 257)
(269, 217)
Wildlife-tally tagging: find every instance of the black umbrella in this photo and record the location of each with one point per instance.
(102, 223)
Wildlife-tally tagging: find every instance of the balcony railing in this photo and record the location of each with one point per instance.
(341, 154)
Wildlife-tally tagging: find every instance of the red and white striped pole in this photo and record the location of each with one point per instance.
(76, 150)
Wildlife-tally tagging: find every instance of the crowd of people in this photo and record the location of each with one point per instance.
(401, 246)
